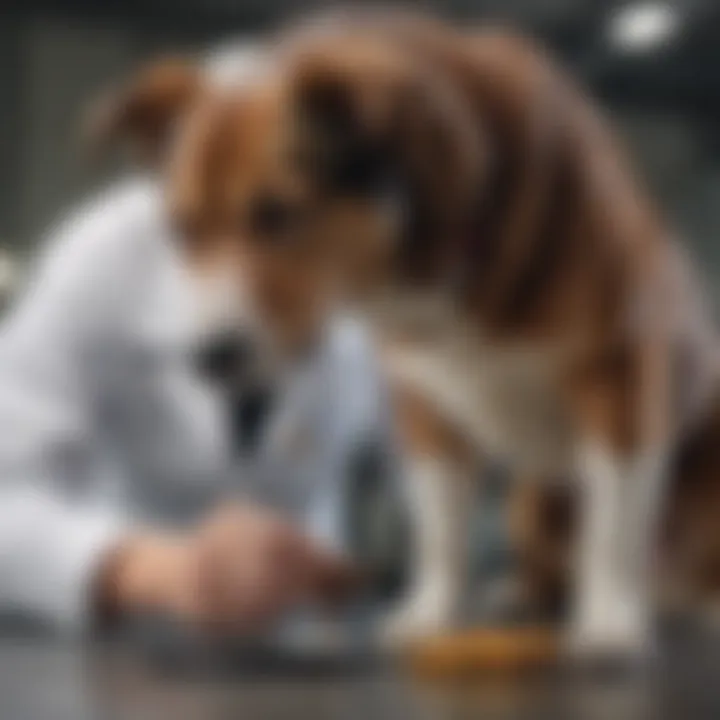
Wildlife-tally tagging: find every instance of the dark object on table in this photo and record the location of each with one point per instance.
(170, 647)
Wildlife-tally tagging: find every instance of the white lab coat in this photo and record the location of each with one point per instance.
(103, 424)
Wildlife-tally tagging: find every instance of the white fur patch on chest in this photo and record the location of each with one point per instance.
(507, 400)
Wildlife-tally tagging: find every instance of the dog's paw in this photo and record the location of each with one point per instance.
(616, 637)
(421, 617)
(594, 643)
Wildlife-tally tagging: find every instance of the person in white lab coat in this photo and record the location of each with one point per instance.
(126, 482)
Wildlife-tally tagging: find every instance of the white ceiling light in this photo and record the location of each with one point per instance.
(643, 26)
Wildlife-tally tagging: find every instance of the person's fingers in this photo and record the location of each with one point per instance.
(186, 596)
(263, 600)
(336, 579)
(314, 572)
(252, 566)
(226, 570)
(240, 589)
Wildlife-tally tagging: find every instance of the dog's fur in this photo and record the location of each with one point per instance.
(532, 295)
(568, 333)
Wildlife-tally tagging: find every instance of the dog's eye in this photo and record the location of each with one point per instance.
(273, 218)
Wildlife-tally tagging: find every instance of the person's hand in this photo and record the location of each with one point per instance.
(239, 570)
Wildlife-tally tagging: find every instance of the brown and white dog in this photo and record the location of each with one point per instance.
(468, 194)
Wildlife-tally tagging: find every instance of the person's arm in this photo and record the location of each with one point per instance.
(55, 528)
(68, 556)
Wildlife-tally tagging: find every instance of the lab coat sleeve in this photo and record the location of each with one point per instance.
(369, 482)
(378, 522)
(55, 526)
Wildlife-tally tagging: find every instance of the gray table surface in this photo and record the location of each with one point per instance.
(43, 680)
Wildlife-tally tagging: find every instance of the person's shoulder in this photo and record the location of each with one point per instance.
(121, 215)
(134, 198)
(99, 257)
(113, 234)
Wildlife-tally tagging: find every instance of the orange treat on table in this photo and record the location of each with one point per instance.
(486, 650)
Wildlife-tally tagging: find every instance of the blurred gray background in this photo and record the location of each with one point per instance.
(655, 66)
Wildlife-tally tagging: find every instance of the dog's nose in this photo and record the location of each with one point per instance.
(225, 357)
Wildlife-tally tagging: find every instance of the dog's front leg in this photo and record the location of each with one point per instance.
(438, 509)
(620, 508)
(622, 467)
(438, 493)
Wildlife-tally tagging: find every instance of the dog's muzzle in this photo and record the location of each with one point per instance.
(227, 358)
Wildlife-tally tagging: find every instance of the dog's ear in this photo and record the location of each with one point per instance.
(379, 121)
(142, 111)
(343, 135)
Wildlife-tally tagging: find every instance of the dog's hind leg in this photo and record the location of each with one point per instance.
(622, 466)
